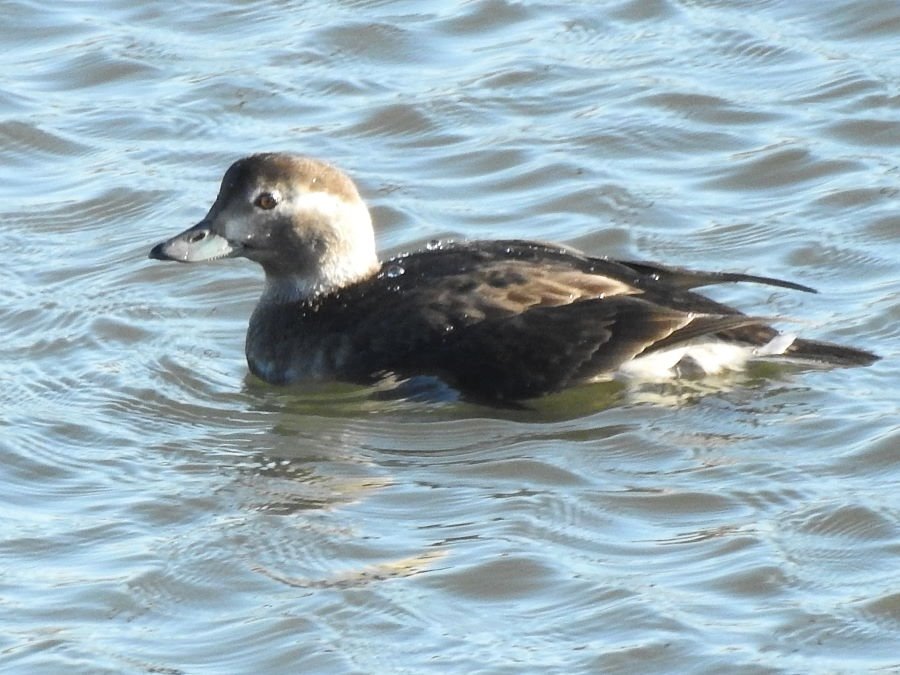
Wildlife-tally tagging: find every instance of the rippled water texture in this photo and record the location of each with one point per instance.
(164, 512)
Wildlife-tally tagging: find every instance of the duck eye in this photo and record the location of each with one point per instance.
(266, 201)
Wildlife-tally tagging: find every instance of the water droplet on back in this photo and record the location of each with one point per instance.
(394, 271)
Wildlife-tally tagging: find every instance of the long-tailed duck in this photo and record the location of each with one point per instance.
(497, 320)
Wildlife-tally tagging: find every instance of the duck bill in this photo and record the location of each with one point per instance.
(196, 244)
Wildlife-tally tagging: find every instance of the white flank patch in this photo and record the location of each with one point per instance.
(709, 357)
(776, 346)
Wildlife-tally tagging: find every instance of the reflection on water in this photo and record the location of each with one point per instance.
(165, 512)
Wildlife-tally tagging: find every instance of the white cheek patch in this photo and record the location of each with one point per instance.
(354, 255)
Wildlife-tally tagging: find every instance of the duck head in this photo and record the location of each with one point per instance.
(301, 219)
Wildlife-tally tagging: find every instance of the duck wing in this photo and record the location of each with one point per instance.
(510, 319)
(547, 348)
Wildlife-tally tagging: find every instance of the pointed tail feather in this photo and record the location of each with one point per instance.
(689, 279)
(829, 353)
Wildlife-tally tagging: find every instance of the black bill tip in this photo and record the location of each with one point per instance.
(158, 252)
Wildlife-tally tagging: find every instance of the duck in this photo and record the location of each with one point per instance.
(497, 320)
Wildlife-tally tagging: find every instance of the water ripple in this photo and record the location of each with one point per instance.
(779, 168)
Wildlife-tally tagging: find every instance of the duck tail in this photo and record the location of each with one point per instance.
(829, 353)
